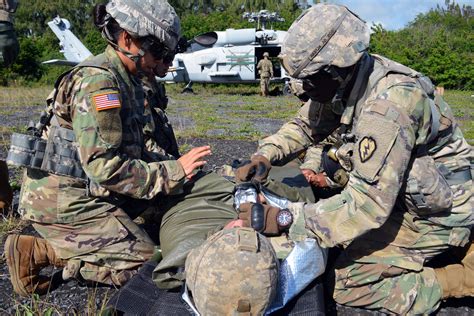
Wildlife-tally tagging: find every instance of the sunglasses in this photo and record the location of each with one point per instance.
(157, 49)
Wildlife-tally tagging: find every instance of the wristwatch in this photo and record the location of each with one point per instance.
(284, 218)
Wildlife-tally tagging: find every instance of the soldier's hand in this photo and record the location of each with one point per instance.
(193, 160)
(308, 174)
(261, 217)
(315, 179)
(256, 169)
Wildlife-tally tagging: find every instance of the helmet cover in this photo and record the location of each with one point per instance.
(324, 35)
(142, 18)
(235, 270)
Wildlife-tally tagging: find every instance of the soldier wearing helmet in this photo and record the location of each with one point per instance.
(265, 70)
(9, 49)
(409, 194)
(83, 196)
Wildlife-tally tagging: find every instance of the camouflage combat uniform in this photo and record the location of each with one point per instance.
(159, 134)
(9, 47)
(316, 159)
(387, 240)
(89, 223)
(265, 69)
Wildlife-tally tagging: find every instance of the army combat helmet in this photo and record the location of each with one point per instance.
(234, 271)
(145, 18)
(324, 35)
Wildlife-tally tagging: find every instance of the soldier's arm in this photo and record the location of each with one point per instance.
(312, 158)
(7, 8)
(99, 136)
(386, 135)
(314, 122)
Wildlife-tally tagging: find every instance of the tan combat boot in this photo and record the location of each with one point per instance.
(26, 256)
(457, 280)
(6, 193)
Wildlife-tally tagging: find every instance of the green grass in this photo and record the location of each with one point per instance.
(462, 104)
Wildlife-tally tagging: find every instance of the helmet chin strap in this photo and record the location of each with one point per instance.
(133, 57)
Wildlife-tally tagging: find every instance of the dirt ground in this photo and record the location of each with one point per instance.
(75, 298)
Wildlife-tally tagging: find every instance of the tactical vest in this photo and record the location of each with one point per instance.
(58, 153)
(440, 115)
(442, 129)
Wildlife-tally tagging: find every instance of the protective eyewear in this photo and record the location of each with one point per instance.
(157, 49)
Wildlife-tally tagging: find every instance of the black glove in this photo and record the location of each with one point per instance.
(9, 47)
(264, 218)
(255, 170)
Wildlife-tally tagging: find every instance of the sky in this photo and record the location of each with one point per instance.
(392, 14)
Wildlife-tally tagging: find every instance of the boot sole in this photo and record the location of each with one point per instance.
(11, 254)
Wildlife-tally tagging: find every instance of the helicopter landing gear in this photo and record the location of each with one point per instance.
(188, 88)
(287, 89)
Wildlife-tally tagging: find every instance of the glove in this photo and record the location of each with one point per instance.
(262, 218)
(255, 170)
(9, 47)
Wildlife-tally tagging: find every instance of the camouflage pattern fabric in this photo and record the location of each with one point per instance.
(110, 144)
(391, 125)
(385, 269)
(108, 248)
(313, 159)
(239, 267)
(302, 57)
(142, 18)
(159, 135)
(265, 69)
(7, 7)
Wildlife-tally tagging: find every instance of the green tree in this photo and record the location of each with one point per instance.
(439, 43)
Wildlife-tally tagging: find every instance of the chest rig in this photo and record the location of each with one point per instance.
(52, 145)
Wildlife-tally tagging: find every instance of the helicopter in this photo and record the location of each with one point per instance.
(229, 56)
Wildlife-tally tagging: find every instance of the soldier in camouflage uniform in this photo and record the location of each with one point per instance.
(320, 166)
(265, 70)
(158, 131)
(9, 49)
(409, 195)
(97, 112)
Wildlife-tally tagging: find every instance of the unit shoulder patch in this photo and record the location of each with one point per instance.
(106, 101)
(367, 147)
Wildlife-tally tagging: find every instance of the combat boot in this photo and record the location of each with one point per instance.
(457, 280)
(6, 193)
(26, 256)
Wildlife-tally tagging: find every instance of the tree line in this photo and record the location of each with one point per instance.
(438, 43)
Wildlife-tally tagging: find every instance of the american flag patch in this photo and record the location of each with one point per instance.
(106, 101)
